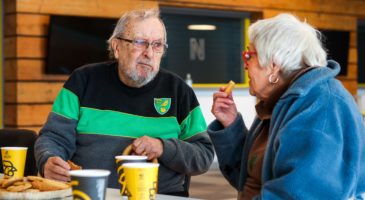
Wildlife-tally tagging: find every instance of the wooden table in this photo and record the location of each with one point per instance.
(113, 194)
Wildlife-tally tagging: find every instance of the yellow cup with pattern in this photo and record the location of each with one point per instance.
(141, 179)
(14, 160)
(123, 159)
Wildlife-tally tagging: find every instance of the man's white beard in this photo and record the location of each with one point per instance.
(138, 80)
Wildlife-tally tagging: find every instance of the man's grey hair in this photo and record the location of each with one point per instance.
(287, 42)
(126, 18)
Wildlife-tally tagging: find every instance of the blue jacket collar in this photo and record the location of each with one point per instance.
(304, 83)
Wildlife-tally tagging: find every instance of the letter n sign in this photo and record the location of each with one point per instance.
(197, 49)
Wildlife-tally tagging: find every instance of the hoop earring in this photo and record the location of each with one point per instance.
(273, 78)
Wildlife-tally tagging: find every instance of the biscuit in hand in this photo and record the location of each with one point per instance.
(229, 87)
(73, 166)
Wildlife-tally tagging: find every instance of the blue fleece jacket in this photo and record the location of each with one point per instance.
(316, 144)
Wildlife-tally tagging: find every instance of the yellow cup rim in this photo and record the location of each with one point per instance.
(130, 157)
(14, 148)
(140, 165)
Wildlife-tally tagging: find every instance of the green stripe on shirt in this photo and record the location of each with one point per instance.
(114, 123)
(190, 129)
(107, 122)
(67, 104)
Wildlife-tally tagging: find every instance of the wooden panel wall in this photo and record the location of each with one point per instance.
(1, 68)
(29, 92)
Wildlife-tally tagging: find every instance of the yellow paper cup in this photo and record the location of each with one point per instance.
(123, 159)
(14, 160)
(141, 180)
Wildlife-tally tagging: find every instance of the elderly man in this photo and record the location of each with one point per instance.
(104, 107)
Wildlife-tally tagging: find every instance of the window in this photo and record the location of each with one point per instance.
(210, 53)
(76, 41)
(337, 44)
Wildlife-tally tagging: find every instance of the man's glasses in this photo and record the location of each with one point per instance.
(141, 44)
(247, 55)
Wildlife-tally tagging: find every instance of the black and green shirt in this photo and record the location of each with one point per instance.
(95, 116)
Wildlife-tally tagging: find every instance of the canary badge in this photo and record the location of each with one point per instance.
(162, 105)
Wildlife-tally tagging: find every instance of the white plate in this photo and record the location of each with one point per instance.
(57, 194)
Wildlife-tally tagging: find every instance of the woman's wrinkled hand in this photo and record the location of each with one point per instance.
(224, 108)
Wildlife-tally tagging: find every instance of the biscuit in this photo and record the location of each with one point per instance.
(19, 183)
(31, 184)
(8, 182)
(73, 166)
(229, 87)
(34, 178)
(31, 190)
(49, 185)
(19, 188)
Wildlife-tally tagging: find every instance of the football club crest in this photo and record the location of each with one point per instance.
(162, 105)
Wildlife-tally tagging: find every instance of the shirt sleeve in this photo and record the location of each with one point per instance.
(192, 153)
(228, 144)
(58, 136)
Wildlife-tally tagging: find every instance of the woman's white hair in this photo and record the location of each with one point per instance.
(129, 16)
(287, 42)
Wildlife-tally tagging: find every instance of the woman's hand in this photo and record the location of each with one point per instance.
(224, 108)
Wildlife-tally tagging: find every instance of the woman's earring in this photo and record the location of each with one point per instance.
(273, 78)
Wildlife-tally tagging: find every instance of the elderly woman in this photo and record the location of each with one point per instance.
(308, 139)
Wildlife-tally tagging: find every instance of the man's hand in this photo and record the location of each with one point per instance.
(57, 169)
(150, 147)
